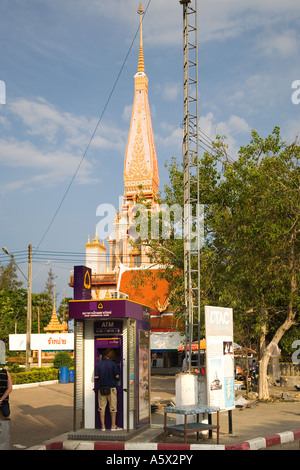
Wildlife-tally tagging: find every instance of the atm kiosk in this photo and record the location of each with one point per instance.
(124, 326)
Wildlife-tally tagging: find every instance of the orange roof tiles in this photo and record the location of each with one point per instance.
(149, 289)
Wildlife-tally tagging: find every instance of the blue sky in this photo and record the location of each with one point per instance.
(60, 60)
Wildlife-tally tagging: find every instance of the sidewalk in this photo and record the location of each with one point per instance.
(42, 418)
(261, 427)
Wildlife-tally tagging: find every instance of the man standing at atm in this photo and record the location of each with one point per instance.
(106, 374)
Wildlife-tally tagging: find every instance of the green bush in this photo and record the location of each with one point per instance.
(37, 374)
(15, 368)
(63, 359)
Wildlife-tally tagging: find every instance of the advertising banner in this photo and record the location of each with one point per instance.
(219, 357)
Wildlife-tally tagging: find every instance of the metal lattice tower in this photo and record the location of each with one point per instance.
(192, 216)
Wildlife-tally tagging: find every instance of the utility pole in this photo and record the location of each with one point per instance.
(28, 330)
(192, 207)
(29, 306)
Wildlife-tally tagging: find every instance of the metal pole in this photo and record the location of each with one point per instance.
(191, 178)
(28, 330)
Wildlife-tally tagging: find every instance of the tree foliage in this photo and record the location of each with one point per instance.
(9, 276)
(250, 257)
(13, 304)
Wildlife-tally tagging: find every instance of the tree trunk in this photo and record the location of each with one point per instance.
(265, 351)
(263, 386)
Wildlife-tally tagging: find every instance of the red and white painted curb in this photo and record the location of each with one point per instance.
(253, 444)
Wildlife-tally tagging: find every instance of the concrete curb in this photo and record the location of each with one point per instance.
(34, 384)
(253, 444)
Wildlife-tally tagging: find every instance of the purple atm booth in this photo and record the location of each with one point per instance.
(124, 326)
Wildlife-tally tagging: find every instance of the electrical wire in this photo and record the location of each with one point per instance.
(207, 144)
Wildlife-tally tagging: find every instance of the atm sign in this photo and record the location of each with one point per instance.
(108, 327)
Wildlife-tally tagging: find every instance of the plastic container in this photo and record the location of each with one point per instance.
(63, 375)
(71, 375)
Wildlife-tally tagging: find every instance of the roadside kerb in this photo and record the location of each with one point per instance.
(252, 444)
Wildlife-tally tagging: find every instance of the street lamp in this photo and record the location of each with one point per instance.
(29, 282)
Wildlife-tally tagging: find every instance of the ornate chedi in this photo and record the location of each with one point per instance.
(54, 326)
(141, 175)
(141, 167)
(140, 171)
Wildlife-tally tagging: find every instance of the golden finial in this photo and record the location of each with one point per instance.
(96, 239)
(141, 65)
(54, 307)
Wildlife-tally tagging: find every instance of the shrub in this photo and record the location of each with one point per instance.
(63, 359)
(38, 374)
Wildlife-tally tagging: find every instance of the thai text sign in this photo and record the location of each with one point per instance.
(43, 342)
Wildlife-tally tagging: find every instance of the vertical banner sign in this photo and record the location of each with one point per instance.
(219, 357)
(144, 365)
(82, 283)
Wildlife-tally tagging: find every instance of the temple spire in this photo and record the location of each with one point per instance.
(54, 306)
(141, 166)
(141, 65)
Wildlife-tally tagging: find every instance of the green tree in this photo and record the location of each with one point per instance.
(250, 258)
(9, 276)
(13, 308)
(50, 282)
(255, 240)
(63, 309)
(42, 306)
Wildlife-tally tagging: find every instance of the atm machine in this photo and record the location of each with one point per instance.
(108, 335)
(124, 326)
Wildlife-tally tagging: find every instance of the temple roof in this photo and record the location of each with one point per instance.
(148, 289)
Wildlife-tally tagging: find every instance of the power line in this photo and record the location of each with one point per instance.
(208, 144)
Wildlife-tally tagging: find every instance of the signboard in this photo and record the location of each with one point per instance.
(219, 357)
(43, 342)
(108, 327)
(107, 309)
(165, 341)
(82, 283)
(144, 367)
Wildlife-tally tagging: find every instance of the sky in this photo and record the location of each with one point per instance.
(66, 92)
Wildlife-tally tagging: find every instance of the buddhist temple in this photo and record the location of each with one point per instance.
(113, 273)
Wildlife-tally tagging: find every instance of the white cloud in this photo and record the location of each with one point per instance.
(218, 20)
(173, 141)
(233, 128)
(53, 143)
(127, 111)
(43, 119)
(279, 44)
(171, 91)
(46, 168)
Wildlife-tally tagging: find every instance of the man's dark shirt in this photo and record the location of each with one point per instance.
(106, 370)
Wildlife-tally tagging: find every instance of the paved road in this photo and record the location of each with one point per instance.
(45, 412)
(40, 413)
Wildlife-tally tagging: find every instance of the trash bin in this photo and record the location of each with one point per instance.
(63, 375)
(71, 375)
